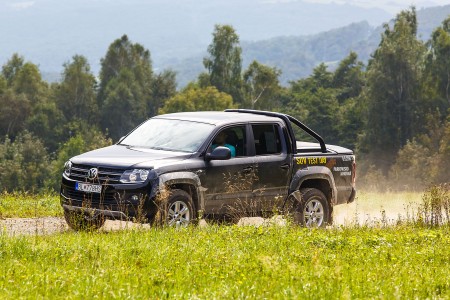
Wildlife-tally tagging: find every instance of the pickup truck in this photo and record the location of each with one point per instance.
(176, 168)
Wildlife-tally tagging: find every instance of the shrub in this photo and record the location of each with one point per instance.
(435, 208)
(24, 163)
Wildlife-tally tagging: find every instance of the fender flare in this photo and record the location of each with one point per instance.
(314, 172)
(184, 178)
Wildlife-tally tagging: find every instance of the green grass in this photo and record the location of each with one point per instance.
(229, 262)
(24, 205)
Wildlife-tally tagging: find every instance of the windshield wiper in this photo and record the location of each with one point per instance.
(162, 148)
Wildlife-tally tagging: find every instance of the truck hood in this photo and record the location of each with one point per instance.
(128, 157)
(304, 146)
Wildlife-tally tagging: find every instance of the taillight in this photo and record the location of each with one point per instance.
(354, 172)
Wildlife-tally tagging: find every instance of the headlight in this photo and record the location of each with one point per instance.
(67, 168)
(134, 176)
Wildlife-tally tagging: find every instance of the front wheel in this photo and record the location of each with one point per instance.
(178, 210)
(315, 210)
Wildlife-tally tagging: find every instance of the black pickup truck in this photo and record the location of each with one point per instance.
(175, 168)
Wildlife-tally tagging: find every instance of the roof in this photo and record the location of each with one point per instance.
(219, 117)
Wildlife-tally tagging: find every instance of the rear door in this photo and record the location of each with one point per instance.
(272, 165)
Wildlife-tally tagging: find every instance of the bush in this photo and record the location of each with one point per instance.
(411, 170)
(435, 208)
(24, 164)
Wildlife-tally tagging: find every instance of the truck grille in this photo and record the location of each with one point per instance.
(106, 198)
(109, 200)
(105, 175)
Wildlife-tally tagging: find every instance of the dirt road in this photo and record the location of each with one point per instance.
(49, 225)
(369, 209)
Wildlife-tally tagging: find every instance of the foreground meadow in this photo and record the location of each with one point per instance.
(229, 262)
(377, 250)
(25, 205)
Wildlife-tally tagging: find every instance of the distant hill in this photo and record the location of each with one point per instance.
(50, 32)
(293, 35)
(296, 56)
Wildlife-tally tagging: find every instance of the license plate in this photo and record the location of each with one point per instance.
(87, 187)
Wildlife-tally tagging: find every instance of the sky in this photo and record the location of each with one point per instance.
(391, 6)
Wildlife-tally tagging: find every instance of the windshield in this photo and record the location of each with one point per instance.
(168, 134)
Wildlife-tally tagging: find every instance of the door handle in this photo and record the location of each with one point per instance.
(285, 166)
(247, 170)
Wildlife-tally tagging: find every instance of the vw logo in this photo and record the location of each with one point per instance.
(92, 173)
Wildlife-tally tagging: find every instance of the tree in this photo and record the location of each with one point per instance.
(122, 54)
(349, 77)
(224, 64)
(314, 102)
(438, 65)
(76, 95)
(47, 123)
(12, 67)
(393, 94)
(261, 86)
(3, 84)
(124, 106)
(15, 111)
(348, 82)
(164, 86)
(28, 81)
(322, 77)
(125, 86)
(195, 98)
(323, 113)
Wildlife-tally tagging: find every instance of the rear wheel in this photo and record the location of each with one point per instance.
(79, 221)
(315, 210)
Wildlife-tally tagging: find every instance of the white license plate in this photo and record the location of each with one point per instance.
(87, 187)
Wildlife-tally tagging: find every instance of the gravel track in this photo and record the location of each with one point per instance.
(344, 215)
(50, 225)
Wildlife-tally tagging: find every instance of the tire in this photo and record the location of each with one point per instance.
(315, 209)
(178, 210)
(83, 222)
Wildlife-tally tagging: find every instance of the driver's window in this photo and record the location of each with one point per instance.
(232, 138)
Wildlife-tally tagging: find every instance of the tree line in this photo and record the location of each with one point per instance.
(394, 111)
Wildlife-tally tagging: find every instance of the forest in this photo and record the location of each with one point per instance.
(393, 112)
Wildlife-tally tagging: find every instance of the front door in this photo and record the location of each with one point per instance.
(228, 183)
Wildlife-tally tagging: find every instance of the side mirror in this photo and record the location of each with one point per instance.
(220, 153)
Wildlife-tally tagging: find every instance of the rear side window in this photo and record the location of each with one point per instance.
(267, 139)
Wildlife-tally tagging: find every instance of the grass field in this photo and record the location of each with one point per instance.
(229, 262)
(24, 205)
(404, 261)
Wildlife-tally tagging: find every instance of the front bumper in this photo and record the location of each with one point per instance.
(109, 214)
(116, 201)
